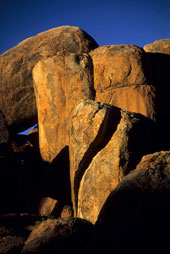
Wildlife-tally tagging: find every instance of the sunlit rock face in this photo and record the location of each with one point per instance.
(17, 99)
(60, 83)
(122, 78)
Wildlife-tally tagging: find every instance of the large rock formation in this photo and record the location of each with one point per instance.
(105, 144)
(60, 84)
(17, 100)
(122, 78)
(135, 216)
(95, 108)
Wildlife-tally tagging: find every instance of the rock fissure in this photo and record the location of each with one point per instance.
(106, 131)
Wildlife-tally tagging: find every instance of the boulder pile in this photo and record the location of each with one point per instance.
(94, 174)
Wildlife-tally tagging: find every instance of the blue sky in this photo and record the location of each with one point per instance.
(108, 21)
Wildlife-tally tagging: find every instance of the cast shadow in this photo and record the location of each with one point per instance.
(57, 177)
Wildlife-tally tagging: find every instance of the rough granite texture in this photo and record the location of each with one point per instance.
(122, 78)
(60, 83)
(17, 100)
(105, 144)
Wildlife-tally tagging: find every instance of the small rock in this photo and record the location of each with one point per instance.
(46, 206)
(67, 211)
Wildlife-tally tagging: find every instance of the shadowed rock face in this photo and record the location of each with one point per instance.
(135, 216)
(17, 100)
(60, 236)
(4, 133)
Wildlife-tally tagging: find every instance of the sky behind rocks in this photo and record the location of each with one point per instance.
(108, 22)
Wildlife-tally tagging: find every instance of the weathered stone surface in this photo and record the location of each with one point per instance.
(60, 82)
(122, 78)
(46, 206)
(67, 211)
(10, 243)
(4, 134)
(159, 46)
(89, 130)
(17, 100)
(105, 144)
(60, 236)
(135, 217)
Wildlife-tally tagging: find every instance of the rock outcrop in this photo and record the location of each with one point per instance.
(105, 144)
(60, 236)
(160, 46)
(99, 111)
(17, 100)
(137, 212)
(90, 129)
(122, 78)
(60, 84)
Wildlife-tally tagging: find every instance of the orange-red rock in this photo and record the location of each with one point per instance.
(67, 211)
(159, 46)
(105, 144)
(17, 100)
(46, 206)
(89, 131)
(60, 83)
(121, 78)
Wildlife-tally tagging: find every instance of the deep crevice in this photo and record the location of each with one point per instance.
(106, 131)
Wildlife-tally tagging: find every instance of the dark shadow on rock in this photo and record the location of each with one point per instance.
(70, 235)
(135, 217)
(20, 176)
(160, 72)
(4, 132)
(141, 141)
(57, 177)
